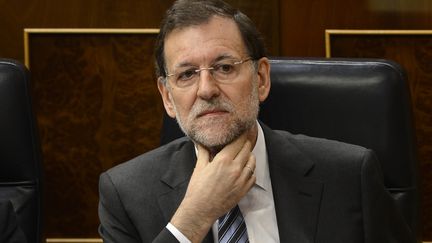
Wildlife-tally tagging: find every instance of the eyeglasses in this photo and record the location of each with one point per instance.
(224, 71)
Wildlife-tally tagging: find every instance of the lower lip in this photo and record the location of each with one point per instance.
(218, 113)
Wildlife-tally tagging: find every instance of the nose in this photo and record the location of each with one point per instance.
(207, 85)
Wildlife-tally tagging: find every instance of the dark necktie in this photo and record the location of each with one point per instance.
(232, 227)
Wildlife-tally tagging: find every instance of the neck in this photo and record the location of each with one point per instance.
(251, 135)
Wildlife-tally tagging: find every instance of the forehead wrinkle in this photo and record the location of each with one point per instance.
(217, 59)
(184, 64)
(195, 45)
(223, 57)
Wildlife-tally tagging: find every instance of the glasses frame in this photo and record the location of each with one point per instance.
(198, 70)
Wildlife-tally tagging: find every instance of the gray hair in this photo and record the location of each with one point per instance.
(185, 13)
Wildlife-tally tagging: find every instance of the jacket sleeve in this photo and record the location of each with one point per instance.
(382, 219)
(115, 224)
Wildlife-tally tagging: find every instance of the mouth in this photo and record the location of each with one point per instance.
(214, 112)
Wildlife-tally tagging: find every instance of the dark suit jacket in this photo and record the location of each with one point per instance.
(324, 191)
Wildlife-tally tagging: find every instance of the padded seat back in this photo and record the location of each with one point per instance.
(20, 160)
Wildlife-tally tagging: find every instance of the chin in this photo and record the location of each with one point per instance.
(211, 141)
(215, 139)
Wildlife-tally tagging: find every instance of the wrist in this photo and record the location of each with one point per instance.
(192, 223)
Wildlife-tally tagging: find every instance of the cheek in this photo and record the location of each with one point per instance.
(183, 103)
(241, 94)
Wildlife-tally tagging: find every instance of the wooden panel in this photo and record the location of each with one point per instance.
(265, 15)
(413, 50)
(19, 14)
(303, 23)
(97, 105)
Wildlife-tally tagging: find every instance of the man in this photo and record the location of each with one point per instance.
(233, 177)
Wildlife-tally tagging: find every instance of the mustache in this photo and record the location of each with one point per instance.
(202, 106)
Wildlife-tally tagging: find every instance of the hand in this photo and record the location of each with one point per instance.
(215, 187)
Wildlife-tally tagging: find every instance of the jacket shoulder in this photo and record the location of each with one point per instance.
(153, 162)
(330, 157)
(322, 148)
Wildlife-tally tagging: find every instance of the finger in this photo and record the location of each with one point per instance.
(203, 157)
(250, 180)
(252, 162)
(243, 156)
(250, 183)
(249, 168)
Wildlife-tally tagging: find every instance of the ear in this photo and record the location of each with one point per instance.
(166, 97)
(263, 78)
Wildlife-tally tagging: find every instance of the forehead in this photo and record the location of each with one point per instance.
(205, 42)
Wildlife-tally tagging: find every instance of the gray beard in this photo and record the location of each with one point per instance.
(235, 129)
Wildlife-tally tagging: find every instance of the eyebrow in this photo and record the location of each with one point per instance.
(217, 59)
(223, 57)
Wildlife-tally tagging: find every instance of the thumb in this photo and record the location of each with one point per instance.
(203, 157)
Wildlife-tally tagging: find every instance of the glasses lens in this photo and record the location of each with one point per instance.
(225, 71)
(185, 78)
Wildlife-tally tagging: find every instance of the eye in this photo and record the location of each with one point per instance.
(224, 68)
(186, 75)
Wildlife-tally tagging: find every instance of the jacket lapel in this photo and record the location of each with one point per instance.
(297, 197)
(176, 180)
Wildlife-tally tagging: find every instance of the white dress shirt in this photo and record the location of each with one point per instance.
(257, 206)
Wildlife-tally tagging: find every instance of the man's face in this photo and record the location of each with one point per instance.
(210, 112)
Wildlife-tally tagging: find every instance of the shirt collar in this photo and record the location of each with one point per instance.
(260, 152)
